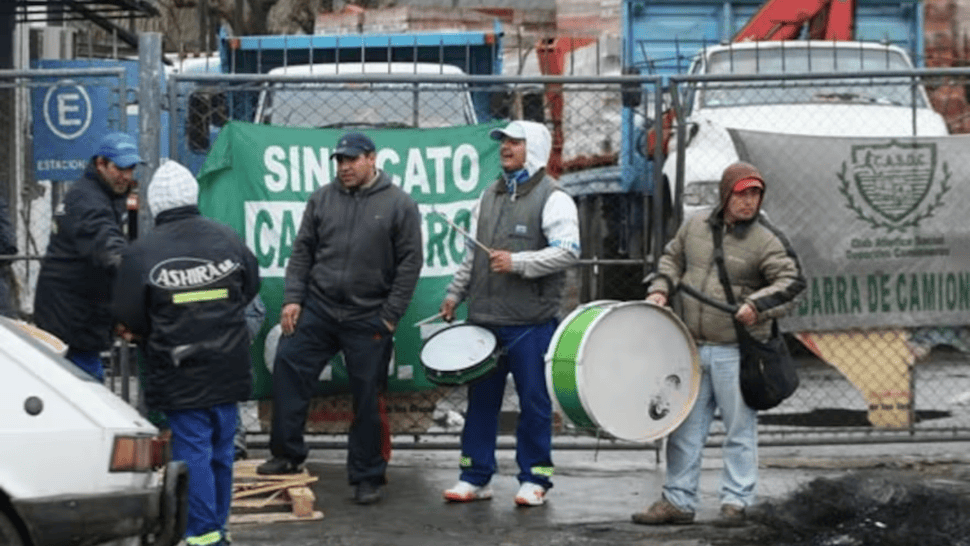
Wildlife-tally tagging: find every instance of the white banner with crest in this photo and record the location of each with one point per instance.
(881, 226)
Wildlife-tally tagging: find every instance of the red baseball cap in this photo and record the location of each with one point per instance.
(749, 182)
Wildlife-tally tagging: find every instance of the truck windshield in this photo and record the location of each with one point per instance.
(806, 60)
(366, 105)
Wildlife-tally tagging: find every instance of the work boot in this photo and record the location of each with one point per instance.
(663, 512)
(279, 465)
(732, 515)
(367, 493)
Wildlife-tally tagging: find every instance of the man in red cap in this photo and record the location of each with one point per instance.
(765, 277)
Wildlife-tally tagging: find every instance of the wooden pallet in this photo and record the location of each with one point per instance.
(267, 499)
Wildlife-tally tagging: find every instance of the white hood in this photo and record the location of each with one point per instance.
(538, 144)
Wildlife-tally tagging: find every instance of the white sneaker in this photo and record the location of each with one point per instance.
(466, 492)
(530, 494)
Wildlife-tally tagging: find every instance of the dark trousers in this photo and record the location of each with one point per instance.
(367, 346)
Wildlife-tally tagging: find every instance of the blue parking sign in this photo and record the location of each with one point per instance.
(70, 116)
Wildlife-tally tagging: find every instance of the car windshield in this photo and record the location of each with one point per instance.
(367, 105)
(894, 91)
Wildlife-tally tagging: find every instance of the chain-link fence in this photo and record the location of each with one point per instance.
(586, 130)
(870, 382)
(836, 402)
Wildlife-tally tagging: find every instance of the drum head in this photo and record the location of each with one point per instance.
(458, 348)
(637, 370)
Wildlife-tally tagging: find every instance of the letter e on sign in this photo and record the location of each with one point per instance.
(67, 109)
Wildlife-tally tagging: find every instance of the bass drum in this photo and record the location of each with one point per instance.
(630, 369)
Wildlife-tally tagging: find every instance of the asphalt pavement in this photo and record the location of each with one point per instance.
(594, 494)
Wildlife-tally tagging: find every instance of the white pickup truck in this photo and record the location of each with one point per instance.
(78, 465)
(819, 107)
(339, 102)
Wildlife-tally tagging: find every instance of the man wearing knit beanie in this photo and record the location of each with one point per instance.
(182, 291)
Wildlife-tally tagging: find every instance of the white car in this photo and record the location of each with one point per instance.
(78, 465)
(871, 107)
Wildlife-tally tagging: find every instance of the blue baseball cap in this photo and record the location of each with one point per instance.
(119, 148)
(353, 144)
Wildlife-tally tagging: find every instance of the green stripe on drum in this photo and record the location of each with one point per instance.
(564, 362)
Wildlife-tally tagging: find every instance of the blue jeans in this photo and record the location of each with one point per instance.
(685, 446)
(203, 439)
(524, 358)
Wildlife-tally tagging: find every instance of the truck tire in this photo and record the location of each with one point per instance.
(9, 535)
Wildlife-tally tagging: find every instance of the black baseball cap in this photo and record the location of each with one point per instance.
(353, 145)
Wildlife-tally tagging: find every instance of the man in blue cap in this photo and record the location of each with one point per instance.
(73, 295)
(354, 266)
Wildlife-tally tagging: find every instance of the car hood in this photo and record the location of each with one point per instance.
(852, 120)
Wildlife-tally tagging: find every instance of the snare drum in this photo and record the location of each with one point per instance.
(630, 369)
(459, 354)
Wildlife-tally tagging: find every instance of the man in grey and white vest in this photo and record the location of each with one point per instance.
(515, 290)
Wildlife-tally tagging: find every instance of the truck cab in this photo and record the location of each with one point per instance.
(339, 98)
(854, 107)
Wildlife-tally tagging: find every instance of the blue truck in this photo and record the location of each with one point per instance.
(208, 106)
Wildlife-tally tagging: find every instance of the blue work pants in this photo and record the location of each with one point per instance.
(89, 361)
(203, 439)
(524, 349)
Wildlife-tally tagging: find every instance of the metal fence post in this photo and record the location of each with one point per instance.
(150, 80)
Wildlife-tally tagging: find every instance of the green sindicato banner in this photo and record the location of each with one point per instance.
(880, 226)
(257, 179)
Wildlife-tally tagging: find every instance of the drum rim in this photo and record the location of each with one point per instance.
(478, 369)
(493, 355)
(581, 350)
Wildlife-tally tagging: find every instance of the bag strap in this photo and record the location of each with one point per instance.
(726, 282)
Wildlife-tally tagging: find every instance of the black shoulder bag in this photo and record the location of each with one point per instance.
(768, 372)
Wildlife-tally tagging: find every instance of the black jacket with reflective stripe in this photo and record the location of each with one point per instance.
(184, 288)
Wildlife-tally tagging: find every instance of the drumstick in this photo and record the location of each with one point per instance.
(462, 231)
(427, 320)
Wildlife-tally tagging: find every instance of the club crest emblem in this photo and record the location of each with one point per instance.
(894, 185)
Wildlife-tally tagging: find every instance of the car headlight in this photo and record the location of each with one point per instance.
(701, 193)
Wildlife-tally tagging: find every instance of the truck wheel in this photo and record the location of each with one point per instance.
(8, 531)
